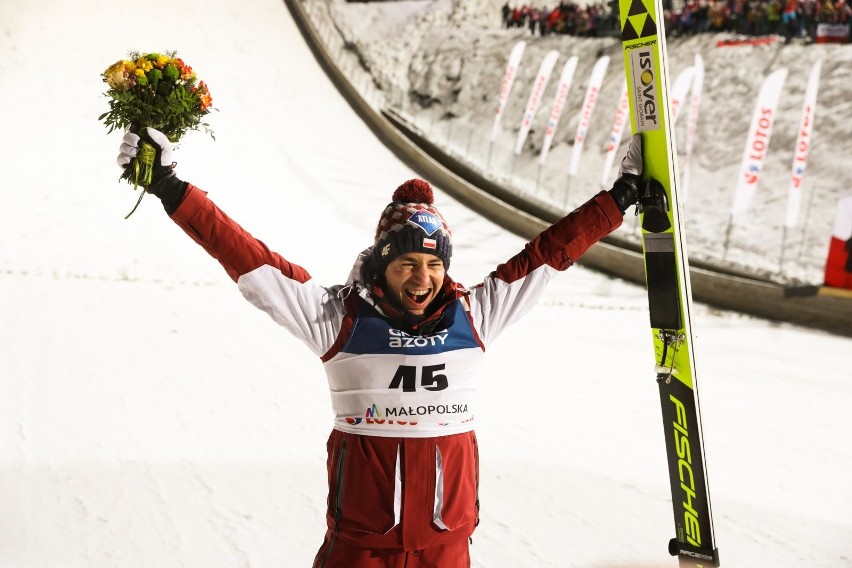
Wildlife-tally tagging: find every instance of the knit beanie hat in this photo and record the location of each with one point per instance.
(411, 223)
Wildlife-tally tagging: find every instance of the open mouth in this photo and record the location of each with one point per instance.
(418, 296)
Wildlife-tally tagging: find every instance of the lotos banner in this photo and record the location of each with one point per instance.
(506, 85)
(536, 92)
(622, 117)
(692, 124)
(594, 88)
(558, 105)
(680, 91)
(757, 143)
(803, 146)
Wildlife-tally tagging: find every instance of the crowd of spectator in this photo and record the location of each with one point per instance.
(566, 18)
(788, 18)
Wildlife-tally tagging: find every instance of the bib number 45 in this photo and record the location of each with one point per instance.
(430, 378)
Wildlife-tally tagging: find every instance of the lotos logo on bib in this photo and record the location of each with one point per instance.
(426, 221)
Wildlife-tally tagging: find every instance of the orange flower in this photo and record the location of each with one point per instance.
(186, 72)
(204, 96)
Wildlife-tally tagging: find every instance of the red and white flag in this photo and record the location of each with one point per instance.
(838, 266)
(832, 33)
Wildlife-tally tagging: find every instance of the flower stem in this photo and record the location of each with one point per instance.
(143, 170)
(138, 201)
(146, 155)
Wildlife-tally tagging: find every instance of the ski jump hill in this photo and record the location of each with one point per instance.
(817, 307)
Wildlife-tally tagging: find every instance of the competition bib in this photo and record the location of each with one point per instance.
(386, 382)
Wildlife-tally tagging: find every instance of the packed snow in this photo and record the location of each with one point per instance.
(149, 416)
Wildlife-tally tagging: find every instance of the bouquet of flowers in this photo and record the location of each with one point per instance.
(157, 90)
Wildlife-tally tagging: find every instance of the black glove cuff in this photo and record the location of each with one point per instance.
(625, 191)
(169, 188)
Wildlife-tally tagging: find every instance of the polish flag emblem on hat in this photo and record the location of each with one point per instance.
(430, 243)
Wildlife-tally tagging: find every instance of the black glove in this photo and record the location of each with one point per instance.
(625, 190)
(164, 183)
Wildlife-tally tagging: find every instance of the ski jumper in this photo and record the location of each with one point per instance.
(403, 465)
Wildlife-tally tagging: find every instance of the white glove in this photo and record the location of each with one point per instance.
(130, 147)
(632, 162)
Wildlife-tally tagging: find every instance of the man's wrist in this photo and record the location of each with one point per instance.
(169, 189)
(625, 191)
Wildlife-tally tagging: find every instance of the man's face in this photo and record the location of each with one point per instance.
(415, 278)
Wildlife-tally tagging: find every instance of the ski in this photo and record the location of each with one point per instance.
(667, 280)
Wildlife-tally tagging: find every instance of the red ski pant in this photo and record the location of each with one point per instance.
(337, 553)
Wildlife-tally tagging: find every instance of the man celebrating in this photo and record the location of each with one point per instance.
(401, 344)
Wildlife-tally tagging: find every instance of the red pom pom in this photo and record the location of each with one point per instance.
(414, 191)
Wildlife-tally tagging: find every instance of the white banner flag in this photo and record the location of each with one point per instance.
(757, 143)
(622, 116)
(558, 104)
(803, 145)
(680, 92)
(691, 125)
(595, 81)
(506, 85)
(536, 93)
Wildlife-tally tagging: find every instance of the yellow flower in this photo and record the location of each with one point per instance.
(139, 72)
(163, 60)
(144, 64)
